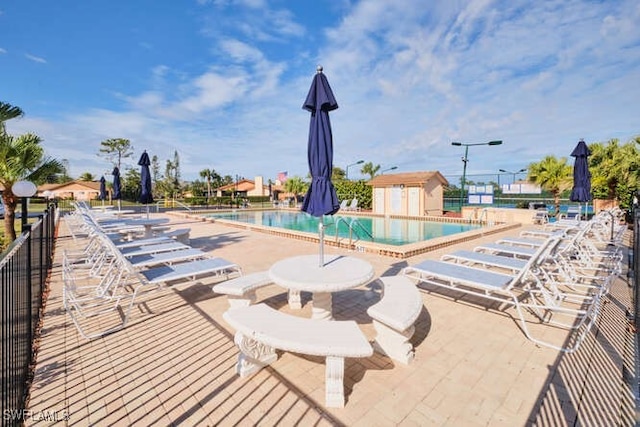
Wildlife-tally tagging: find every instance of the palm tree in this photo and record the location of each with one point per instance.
(369, 169)
(615, 170)
(86, 176)
(8, 112)
(209, 175)
(22, 158)
(296, 186)
(553, 175)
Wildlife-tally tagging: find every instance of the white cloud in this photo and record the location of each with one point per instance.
(35, 58)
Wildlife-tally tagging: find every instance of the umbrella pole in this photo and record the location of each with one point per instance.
(321, 233)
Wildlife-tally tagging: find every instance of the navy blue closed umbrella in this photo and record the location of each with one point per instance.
(117, 187)
(103, 190)
(146, 195)
(321, 198)
(581, 191)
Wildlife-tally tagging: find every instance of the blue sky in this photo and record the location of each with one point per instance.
(223, 81)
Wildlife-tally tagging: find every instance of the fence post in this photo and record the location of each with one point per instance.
(26, 229)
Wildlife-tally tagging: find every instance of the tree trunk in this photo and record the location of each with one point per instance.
(10, 202)
(556, 202)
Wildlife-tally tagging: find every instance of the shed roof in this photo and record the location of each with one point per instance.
(407, 178)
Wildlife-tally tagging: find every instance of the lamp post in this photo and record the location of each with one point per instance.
(24, 190)
(387, 170)
(513, 173)
(359, 162)
(465, 159)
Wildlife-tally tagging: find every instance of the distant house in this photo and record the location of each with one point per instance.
(246, 187)
(76, 190)
(410, 193)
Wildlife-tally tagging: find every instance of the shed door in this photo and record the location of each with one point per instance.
(396, 200)
(414, 200)
(379, 200)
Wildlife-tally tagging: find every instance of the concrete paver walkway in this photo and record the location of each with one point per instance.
(174, 363)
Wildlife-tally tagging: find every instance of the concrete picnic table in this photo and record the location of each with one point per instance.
(304, 273)
(147, 223)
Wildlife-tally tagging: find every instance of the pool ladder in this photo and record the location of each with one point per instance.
(354, 225)
(483, 219)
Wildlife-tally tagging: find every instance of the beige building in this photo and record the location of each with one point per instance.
(76, 190)
(409, 194)
(246, 188)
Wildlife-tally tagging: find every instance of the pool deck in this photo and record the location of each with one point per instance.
(174, 363)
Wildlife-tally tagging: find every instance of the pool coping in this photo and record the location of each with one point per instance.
(395, 251)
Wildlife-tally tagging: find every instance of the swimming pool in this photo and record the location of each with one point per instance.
(382, 230)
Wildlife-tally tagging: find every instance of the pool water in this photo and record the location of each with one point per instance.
(392, 231)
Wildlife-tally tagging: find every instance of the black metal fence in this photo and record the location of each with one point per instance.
(634, 266)
(24, 268)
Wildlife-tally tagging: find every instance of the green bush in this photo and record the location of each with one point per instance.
(358, 189)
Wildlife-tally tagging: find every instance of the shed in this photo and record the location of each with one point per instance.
(409, 193)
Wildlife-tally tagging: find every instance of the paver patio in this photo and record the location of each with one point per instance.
(174, 362)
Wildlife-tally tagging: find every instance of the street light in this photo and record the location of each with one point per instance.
(513, 173)
(24, 190)
(359, 162)
(465, 159)
(390, 169)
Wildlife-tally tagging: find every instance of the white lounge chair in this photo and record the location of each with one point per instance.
(528, 242)
(523, 291)
(501, 248)
(573, 213)
(171, 263)
(353, 206)
(486, 260)
(541, 216)
(167, 258)
(85, 299)
(153, 249)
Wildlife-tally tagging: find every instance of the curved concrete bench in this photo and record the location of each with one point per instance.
(394, 316)
(261, 330)
(241, 291)
(180, 234)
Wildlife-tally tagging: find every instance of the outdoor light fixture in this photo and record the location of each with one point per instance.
(513, 173)
(465, 159)
(390, 169)
(24, 190)
(359, 162)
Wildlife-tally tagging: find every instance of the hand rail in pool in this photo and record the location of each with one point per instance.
(351, 225)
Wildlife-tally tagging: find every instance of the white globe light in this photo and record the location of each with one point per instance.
(24, 188)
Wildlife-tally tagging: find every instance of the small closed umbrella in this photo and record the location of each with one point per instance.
(103, 190)
(117, 195)
(581, 191)
(146, 195)
(321, 198)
